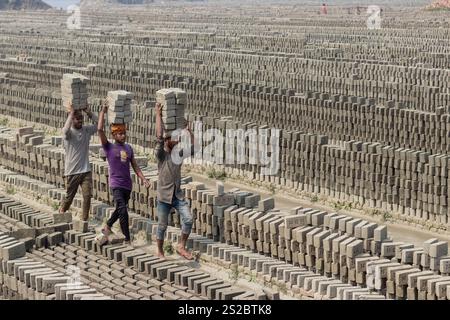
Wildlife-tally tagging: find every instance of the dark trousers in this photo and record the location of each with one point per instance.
(121, 197)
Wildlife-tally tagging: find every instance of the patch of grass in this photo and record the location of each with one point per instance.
(375, 212)
(187, 169)
(55, 205)
(151, 157)
(438, 9)
(314, 198)
(4, 122)
(252, 278)
(217, 174)
(168, 247)
(283, 288)
(234, 273)
(272, 188)
(386, 216)
(359, 206)
(338, 205)
(10, 190)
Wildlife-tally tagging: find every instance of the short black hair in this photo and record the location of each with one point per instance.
(77, 114)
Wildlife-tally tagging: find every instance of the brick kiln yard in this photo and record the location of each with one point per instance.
(358, 209)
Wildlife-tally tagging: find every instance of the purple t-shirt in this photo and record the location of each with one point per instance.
(119, 157)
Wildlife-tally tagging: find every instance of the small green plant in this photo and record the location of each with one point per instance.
(283, 288)
(272, 188)
(386, 216)
(314, 198)
(444, 9)
(216, 174)
(55, 205)
(4, 121)
(252, 278)
(151, 157)
(234, 273)
(359, 206)
(168, 248)
(338, 205)
(10, 190)
(375, 212)
(187, 169)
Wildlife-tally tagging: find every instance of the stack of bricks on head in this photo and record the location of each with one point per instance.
(173, 101)
(119, 103)
(74, 91)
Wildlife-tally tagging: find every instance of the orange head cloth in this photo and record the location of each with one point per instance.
(116, 128)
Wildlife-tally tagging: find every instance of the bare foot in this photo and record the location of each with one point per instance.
(185, 254)
(161, 256)
(107, 230)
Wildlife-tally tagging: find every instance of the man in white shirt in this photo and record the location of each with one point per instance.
(77, 169)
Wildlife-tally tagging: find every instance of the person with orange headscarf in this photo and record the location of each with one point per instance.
(120, 156)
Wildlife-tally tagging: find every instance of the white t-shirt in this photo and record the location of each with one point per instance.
(76, 145)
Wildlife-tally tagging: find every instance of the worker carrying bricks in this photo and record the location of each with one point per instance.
(169, 193)
(120, 156)
(77, 171)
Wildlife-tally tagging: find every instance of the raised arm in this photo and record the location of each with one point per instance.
(159, 149)
(159, 122)
(139, 173)
(93, 127)
(101, 124)
(68, 124)
(91, 115)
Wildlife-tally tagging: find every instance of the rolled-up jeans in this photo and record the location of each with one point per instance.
(182, 208)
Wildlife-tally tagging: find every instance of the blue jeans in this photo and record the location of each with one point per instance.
(182, 208)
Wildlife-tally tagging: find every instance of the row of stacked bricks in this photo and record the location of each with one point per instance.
(76, 268)
(316, 112)
(400, 127)
(417, 268)
(57, 250)
(25, 151)
(232, 217)
(365, 173)
(397, 116)
(74, 91)
(173, 101)
(119, 103)
(312, 112)
(418, 118)
(333, 245)
(364, 76)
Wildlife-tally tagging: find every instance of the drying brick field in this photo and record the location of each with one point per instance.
(356, 101)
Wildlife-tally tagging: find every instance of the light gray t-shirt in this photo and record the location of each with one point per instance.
(76, 145)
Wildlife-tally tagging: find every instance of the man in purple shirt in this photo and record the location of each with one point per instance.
(119, 155)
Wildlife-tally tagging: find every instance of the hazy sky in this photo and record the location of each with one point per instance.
(61, 3)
